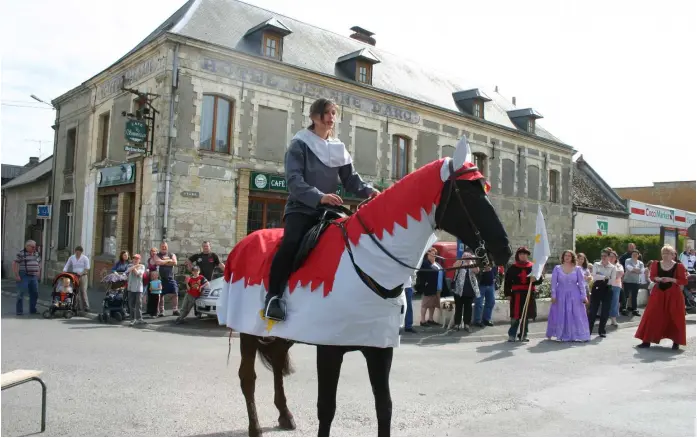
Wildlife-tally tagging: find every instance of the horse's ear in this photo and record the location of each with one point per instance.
(462, 154)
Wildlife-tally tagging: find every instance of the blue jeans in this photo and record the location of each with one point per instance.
(615, 302)
(30, 284)
(409, 317)
(484, 304)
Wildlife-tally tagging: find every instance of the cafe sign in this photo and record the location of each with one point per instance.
(136, 131)
(265, 182)
(116, 175)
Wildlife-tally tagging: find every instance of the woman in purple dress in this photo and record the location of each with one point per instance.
(568, 320)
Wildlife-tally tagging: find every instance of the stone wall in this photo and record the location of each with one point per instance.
(679, 194)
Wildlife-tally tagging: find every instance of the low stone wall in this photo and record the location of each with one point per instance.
(502, 309)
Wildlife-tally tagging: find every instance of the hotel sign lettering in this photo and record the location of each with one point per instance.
(284, 83)
(137, 72)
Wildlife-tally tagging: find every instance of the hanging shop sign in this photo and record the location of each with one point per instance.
(116, 175)
(136, 131)
(266, 182)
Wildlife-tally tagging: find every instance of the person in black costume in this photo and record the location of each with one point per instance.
(314, 163)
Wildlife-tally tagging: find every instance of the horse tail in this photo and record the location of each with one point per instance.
(274, 350)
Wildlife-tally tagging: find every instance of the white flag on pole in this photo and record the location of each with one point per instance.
(540, 252)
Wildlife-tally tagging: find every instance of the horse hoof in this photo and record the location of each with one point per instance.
(286, 423)
(255, 432)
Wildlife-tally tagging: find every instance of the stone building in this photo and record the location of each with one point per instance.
(676, 194)
(230, 84)
(598, 209)
(20, 220)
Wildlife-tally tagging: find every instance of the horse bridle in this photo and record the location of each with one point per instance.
(480, 254)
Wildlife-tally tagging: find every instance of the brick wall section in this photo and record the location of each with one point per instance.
(680, 194)
(242, 204)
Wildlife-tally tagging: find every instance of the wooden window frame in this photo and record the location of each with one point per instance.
(531, 125)
(478, 109)
(266, 200)
(104, 128)
(271, 36)
(553, 188)
(484, 159)
(368, 72)
(215, 123)
(106, 211)
(407, 152)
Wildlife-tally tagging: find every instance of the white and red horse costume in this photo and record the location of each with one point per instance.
(326, 301)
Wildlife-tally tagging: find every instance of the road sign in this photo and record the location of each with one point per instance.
(43, 211)
(136, 131)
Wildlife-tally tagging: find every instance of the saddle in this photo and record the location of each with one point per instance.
(328, 214)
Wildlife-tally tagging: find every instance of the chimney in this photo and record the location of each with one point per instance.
(33, 161)
(362, 35)
(513, 100)
(496, 89)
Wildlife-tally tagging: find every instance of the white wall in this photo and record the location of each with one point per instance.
(587, 223)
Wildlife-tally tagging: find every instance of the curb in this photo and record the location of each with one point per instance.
(169, 328)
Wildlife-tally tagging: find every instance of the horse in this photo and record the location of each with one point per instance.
(348, 294)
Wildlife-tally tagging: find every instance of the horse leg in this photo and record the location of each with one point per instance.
(379, 361)
(248, 350)
(281, 367)
(329, 360)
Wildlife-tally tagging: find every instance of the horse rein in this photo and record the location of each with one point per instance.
(480, 255)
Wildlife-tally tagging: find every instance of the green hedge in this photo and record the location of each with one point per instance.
(649, 246)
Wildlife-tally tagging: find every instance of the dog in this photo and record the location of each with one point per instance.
(447, 312)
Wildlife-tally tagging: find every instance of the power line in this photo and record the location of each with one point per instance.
(26, 106)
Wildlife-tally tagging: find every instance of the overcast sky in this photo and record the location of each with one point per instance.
(614, 79)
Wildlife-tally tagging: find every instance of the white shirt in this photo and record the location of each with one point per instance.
(76, 265)
(688, 260)
(619, 273)
(601, 271)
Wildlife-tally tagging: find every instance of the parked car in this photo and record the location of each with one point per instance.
(206, 303)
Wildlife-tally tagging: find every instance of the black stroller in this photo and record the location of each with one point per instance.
(114, 303)
(689, 292)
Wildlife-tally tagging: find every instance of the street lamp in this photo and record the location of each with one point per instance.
(33, 96)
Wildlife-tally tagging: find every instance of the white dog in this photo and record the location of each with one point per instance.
(447, 312)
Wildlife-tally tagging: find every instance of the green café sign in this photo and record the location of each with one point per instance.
(116, 175)
(277, 183)
(136, 131)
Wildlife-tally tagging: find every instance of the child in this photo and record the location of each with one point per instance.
(64, 288)
(135, 289)
(156, 287)
(193, 291)
(515, 288)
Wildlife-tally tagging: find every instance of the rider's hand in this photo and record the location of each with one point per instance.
(331, 199)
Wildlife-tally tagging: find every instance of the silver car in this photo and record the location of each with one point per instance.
(206, 303)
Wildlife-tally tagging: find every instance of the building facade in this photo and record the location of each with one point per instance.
(228, 98)
(677, 194)
(598, 210)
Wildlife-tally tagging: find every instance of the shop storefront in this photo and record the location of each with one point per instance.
(267, 198)
(115, 214)
(647, 219)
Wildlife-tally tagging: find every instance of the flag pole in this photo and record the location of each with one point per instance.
(524, 315)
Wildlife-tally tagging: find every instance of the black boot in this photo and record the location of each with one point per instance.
(273, 309)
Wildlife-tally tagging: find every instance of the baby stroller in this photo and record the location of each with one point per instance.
(689, 292)
(114, 301)
(62, 300)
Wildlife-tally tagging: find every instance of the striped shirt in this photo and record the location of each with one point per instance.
(28, 263)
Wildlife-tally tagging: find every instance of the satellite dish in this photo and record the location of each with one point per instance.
(691, 232)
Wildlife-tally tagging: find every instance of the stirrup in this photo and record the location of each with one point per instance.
(276, 313)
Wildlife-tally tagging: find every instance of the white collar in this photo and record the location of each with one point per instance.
(331, 152)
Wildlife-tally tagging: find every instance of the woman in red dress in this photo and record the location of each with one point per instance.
(664, 316)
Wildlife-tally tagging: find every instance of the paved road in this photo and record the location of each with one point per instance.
(114, 380)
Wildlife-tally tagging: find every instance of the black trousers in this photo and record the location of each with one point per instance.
(600, 298)
(296, 226)
(463, 309)
(631, 290)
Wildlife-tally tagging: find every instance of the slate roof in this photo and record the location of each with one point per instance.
(35, 173)
(225, 22)
(10, 171)
(590, 191)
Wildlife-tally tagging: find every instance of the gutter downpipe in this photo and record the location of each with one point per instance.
(170, 139)
(48, 234)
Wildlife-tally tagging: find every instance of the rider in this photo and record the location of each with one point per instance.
(315, 161)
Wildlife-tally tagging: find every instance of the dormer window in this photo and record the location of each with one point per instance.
(471, 102)
(272, 43)
(358, 66)
(524, 119)
(267, 38)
